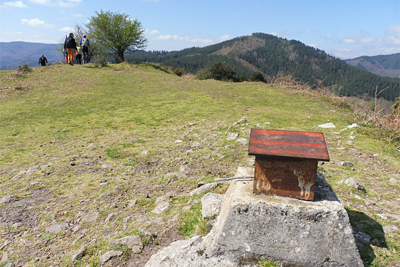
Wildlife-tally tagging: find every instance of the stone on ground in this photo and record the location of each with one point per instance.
(211, 204)
(203, 189)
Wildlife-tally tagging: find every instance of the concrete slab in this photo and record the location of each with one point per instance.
(303, 232)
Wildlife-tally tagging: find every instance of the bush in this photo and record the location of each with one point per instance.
(180, 71)
(220, 71)
(257, 76)
(100, 62)
(203, 75)
(24, 68)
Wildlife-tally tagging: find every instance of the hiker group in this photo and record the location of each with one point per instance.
(71, 49)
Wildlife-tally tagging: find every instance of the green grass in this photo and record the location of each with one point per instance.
(87, 125)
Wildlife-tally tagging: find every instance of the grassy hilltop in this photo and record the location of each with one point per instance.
(76, 140)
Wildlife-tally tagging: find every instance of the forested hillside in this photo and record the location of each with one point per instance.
(384, 65)
(277, 56)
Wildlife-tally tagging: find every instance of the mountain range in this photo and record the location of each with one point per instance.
(14, 54)
(383, 65)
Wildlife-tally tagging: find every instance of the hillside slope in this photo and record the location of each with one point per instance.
(383, 65)
(14, 54)
(86, 162)
(279, 57)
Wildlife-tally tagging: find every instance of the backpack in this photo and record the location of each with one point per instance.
(85, 42)
(69, 42)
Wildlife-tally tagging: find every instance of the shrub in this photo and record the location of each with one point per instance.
(100, 62)
(180, 71)
(220, 71)
(203, 75)
(257, 76)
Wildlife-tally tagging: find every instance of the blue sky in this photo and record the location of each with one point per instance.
(343, 28)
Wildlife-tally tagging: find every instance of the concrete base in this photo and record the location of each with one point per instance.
(310, 233)
(285, 229)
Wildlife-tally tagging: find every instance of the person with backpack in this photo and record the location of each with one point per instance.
(79, 55)
(84, 42)
(70, 46)
(43, 60)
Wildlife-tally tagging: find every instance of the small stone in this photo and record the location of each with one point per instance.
(56, 228)
(6, 243)
(211, 204)
(109, 255)
(161, 207)
(210, 224)
(353, 182)
(390, 228)
(132, 242)
(132, 203)
(186, 208)
(10, 264)
(203, 189)
(327, 125)
(80, 253)
(232, 136)
(6, 199)
(178, 141)
(242, 141)
(393, 180)
(145, 152)
(5, 257)
(90, 217)
(346, 164)
(251, 161)
(110, 217)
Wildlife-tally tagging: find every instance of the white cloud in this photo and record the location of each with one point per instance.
(67, 29)
(78, 15)
(274, 34)
(313, 45)
(151, 32)
(367, 40)
(59, 3)
(17, 4)
(224, 37)
(184, 39)
(36, 23)
(349, 41)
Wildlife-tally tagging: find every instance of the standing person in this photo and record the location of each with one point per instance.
(79, 55)
(84, 42)
(70, 45)
(43, 60)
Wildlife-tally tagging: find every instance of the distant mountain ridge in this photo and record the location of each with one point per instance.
(14, 54)
(383, 65)
(275, 57)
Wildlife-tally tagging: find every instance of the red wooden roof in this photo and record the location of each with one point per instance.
(293, 144)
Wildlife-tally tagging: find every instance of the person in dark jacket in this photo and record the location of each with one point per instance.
(70, 46)
(43, 60)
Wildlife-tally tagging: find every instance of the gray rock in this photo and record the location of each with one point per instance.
(4, 258)
(390, 217)
(353, 182)
(232, 136)
(327, 125)
(132, 242)
(6, 199)
(110, 217)
(211, 204)
(188, 253)
(109, 255)
(6, 243)
(90, 217)
(390, 228)
(251, 161)
(56, 228)
(161, 207)
(175, 174)
(242, 141)
(132, 203)
(9, 265)
(81, 252)
(203, 189)
(346, 164)
(393, 180)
